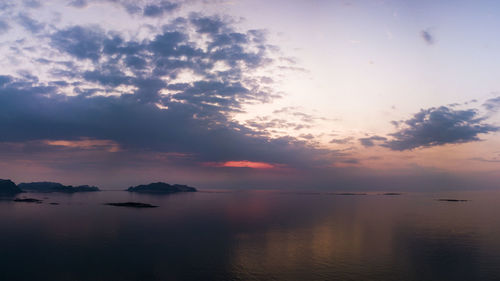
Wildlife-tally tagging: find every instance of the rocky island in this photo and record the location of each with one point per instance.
(161, 188)
(28, 200)
(55, 187)
(7, 187)
(452, 200)
(132, 205)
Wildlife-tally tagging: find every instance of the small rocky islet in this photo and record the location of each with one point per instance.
(28, 200)
(131, 205)
(452, 200)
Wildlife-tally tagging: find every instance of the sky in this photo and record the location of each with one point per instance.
(309, 95)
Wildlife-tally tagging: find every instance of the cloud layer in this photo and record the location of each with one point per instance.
(172, 92)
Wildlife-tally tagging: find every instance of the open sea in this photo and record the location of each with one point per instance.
(251, 235)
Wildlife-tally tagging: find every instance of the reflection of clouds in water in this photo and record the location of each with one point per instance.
(371, 238)
(342, 234)
(254, 236)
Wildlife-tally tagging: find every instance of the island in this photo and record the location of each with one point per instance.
(28, 200)
(452, 200)
(55, 187)
(161, 188)
(132, 205)
(7, 187)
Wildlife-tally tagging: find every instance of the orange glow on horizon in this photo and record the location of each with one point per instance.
(248, 164)
(241, 164)
(111, 146)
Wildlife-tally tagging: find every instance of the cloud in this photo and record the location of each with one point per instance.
(370, 141)
(78, 3)
(492, 105)
(30, 24)
(207, 25)
(37, 113)
(439, 126)
(81, 42)
(342, 141)
(167, 55)
(128, 92)
(160, 9)
(4, 27)
(148, 8)
(427, 36)
(34, 4)
(481, 159)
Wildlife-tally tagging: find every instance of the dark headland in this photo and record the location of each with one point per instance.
(7, 187)
(161, 188)
(55, 187)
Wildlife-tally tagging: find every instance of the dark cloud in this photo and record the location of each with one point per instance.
(160, 9)
(370, 141)
(165, 56)
(148, 8)
(439, 126)
(151, 110)
(427, 36)
(4, 80)
(31, 113)
(30, 24)
(81, 42)
(209, 25)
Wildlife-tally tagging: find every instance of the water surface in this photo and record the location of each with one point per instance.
(251, 235)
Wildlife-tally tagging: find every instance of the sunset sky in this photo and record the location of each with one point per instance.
(312, 95)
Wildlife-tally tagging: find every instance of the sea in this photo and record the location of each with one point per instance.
(251, 235)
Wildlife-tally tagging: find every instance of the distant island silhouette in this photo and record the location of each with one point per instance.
(55, 187)
(161, 188)
(8, 187)
(28, 200)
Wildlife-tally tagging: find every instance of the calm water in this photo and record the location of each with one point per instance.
(251, 236)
